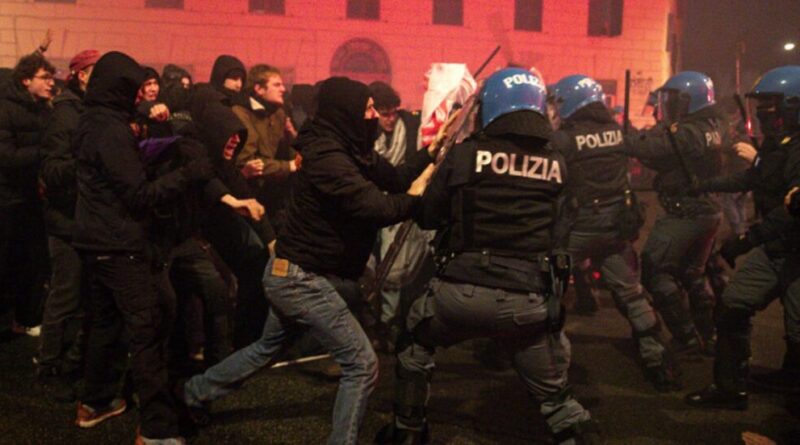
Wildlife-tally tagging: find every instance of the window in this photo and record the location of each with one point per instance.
(528, 15)
(364, 9)
(275, 7)
(174, 4)
(605, 17)
(448, 12)
(363, 60)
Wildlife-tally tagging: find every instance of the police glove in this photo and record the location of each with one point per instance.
(736, 246)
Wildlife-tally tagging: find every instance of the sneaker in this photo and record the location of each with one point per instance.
(141, 440)
(713, 397)
(30, 331)
(89, 416)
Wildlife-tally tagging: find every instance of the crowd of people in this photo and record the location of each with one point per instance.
(167, 239)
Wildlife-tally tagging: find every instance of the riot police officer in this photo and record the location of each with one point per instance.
(773, 267)
(493, 203)
(603, 215)
(683, 151)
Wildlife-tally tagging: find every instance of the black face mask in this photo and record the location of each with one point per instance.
(770, 120)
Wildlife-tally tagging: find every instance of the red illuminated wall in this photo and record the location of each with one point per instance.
(305, 40)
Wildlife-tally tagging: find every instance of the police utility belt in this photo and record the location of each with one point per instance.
(684, 206)
(546, 275)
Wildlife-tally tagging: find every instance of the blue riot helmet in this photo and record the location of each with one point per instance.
(775, 99)
(684, 93)
(575, 92)
(510, 90)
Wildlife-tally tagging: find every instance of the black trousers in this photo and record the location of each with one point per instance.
(193, 274)
(23, 262)
(128, 297)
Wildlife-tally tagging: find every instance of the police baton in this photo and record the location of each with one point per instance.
(627, 109)
(745, 119)
(371, 288)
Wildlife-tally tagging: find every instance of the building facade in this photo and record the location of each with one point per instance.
(391, 40)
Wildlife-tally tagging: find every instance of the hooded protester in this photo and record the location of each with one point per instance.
(338, 203)
(126, 284)
(176, 92)
(242, 243)
(24, 113)
(59, 350)
(228, 76)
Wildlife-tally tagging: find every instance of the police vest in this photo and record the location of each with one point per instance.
(701, 142)
(505, 197)
(598, 168)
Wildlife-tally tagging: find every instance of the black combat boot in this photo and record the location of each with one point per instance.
(391, 434)
(786, 379)
(731, 367)
(665, 376)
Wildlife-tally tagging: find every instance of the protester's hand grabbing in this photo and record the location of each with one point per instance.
(418, 186)
(249, 208)
(792, 201)
(443, 133)
(745, 151)
(253, 168)
(159, 112)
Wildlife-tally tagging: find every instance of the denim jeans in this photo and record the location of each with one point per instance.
(310, 301)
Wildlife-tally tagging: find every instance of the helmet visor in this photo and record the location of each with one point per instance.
(764, 115)
(669, 106)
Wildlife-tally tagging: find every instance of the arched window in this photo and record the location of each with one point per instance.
(363, 60)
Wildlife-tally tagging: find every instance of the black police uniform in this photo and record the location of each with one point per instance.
(675, 254)
(494, 203)
(770, 271)
(604, 219)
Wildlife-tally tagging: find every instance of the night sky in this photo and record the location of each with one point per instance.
(712, 28)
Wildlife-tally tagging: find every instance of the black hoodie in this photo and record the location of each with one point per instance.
(224, 67)
(337, 203)
(22, 123)
(114, 195)
(215, 124)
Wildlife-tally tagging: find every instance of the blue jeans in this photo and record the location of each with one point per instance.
(311, 301)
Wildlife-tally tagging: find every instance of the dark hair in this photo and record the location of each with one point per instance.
(29, 65)
(260, 74)
(385, 96)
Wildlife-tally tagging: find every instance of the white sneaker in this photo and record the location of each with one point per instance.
(34, 331)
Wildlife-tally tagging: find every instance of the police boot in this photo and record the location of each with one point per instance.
(786, 379)
(729, 390)
(391, 434)
(678, 320)
(665, 376)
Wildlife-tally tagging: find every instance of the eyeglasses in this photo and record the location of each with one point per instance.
(46, 77)
(388, 113)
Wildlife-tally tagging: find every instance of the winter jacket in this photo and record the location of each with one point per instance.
(22, 123)
(265, 125)
(59, 165)
(337, 203)
(215, 123)
(114, 196)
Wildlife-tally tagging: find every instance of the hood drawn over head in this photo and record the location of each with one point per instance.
(342, 103)
(115, 80)
(224, 67)
(216, 123)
